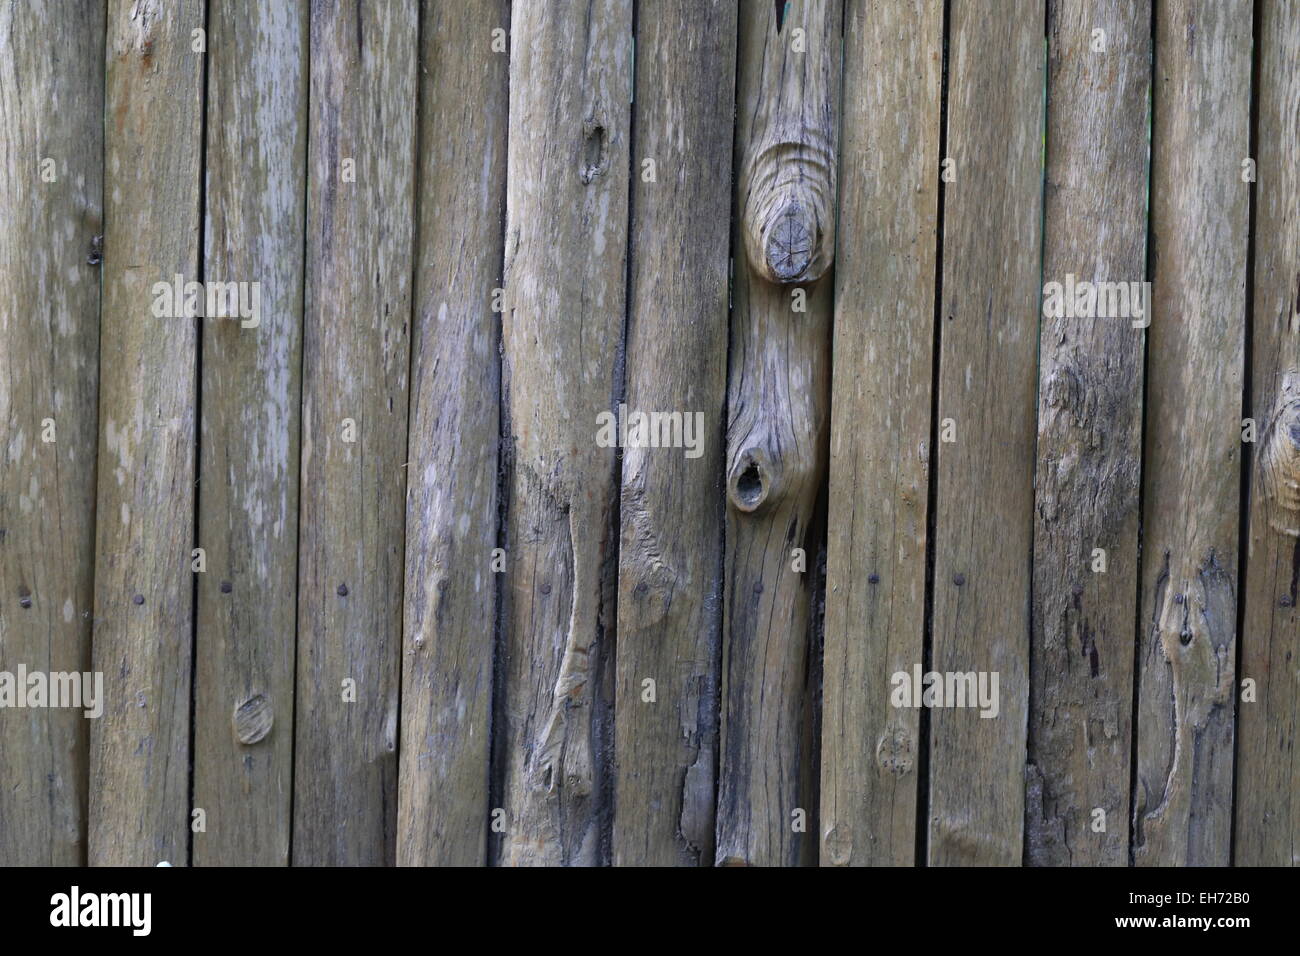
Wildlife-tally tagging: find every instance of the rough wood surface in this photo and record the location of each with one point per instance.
(1182, 804)
(987, 385)
(1089, 439)
(248, 434)
(139, 753)
(355, 368)
(451, 510)
(670, 559)
(778, 407)
(566, 238)
(52, 109)
(880, 428)
(1268, 764)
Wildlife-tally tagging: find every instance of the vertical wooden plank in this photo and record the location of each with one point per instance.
(778, 406)
(248, 439)
(49, 334)
(566, 238)
(987, 384)
(1268, 772)
(139, 753)
(1182, 808)
(451, 506)
(355, 369)
(670, 602)
(1089, 437)
(880, 427)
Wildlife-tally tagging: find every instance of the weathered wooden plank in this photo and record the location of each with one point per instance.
(880, 427)
(1267, 803)
(139, 753)
(51, 194)
(360, 205)
(1089, 436)
(987, 384)
(566, 238)
(778, 406)
(248, 438)
(1182, 804)
(670, 602)
(451, 508)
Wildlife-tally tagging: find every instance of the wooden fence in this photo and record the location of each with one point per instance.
(577, 476)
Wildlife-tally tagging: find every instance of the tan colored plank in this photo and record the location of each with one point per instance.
(566, 238)
(1182, 805)
(1268, 771)
(778, 405)
(1089, 439)
(249, 434)
(671, 548)
(880, 428)
(451, 507)
(139, 752)
(984, 491)
(355, 367)
(52, 108)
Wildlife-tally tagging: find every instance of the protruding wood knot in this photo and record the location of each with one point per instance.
(751, 481)
(252, 719)
(1279, 460)
(838, 844)
(894, 751)
(788, 220)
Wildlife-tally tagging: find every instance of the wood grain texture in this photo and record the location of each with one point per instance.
(1089, 438)
(355, 367)
(451, 507)
(139, 753)
(249, 434)
(670, 557)
(1267, 804)
(566, 239)
(1199, 219)
(787, 96)
(880, 428)
(52, 109)
(987, 383)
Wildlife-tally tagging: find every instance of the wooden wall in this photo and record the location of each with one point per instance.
(366, 579)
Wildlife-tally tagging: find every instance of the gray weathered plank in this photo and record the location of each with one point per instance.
(669, 610)
(1182, 804)
(139, 753)
(1268, 771)
(52, 109)
(566, 238)
(987, 385)
(451, 509)
(1089, 438)
(355, 369)
(880, 428)
(248, 437)
(787, 96)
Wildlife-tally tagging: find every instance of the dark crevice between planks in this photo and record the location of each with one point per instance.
(496, 767)
(198, 431)
(302, 359)
(1247, 410)
(927, 638)
(1138, 625)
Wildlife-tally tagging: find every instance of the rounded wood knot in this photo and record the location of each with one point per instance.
(252, 719)
(750, 481)
(1279, 460)
(789, 225)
